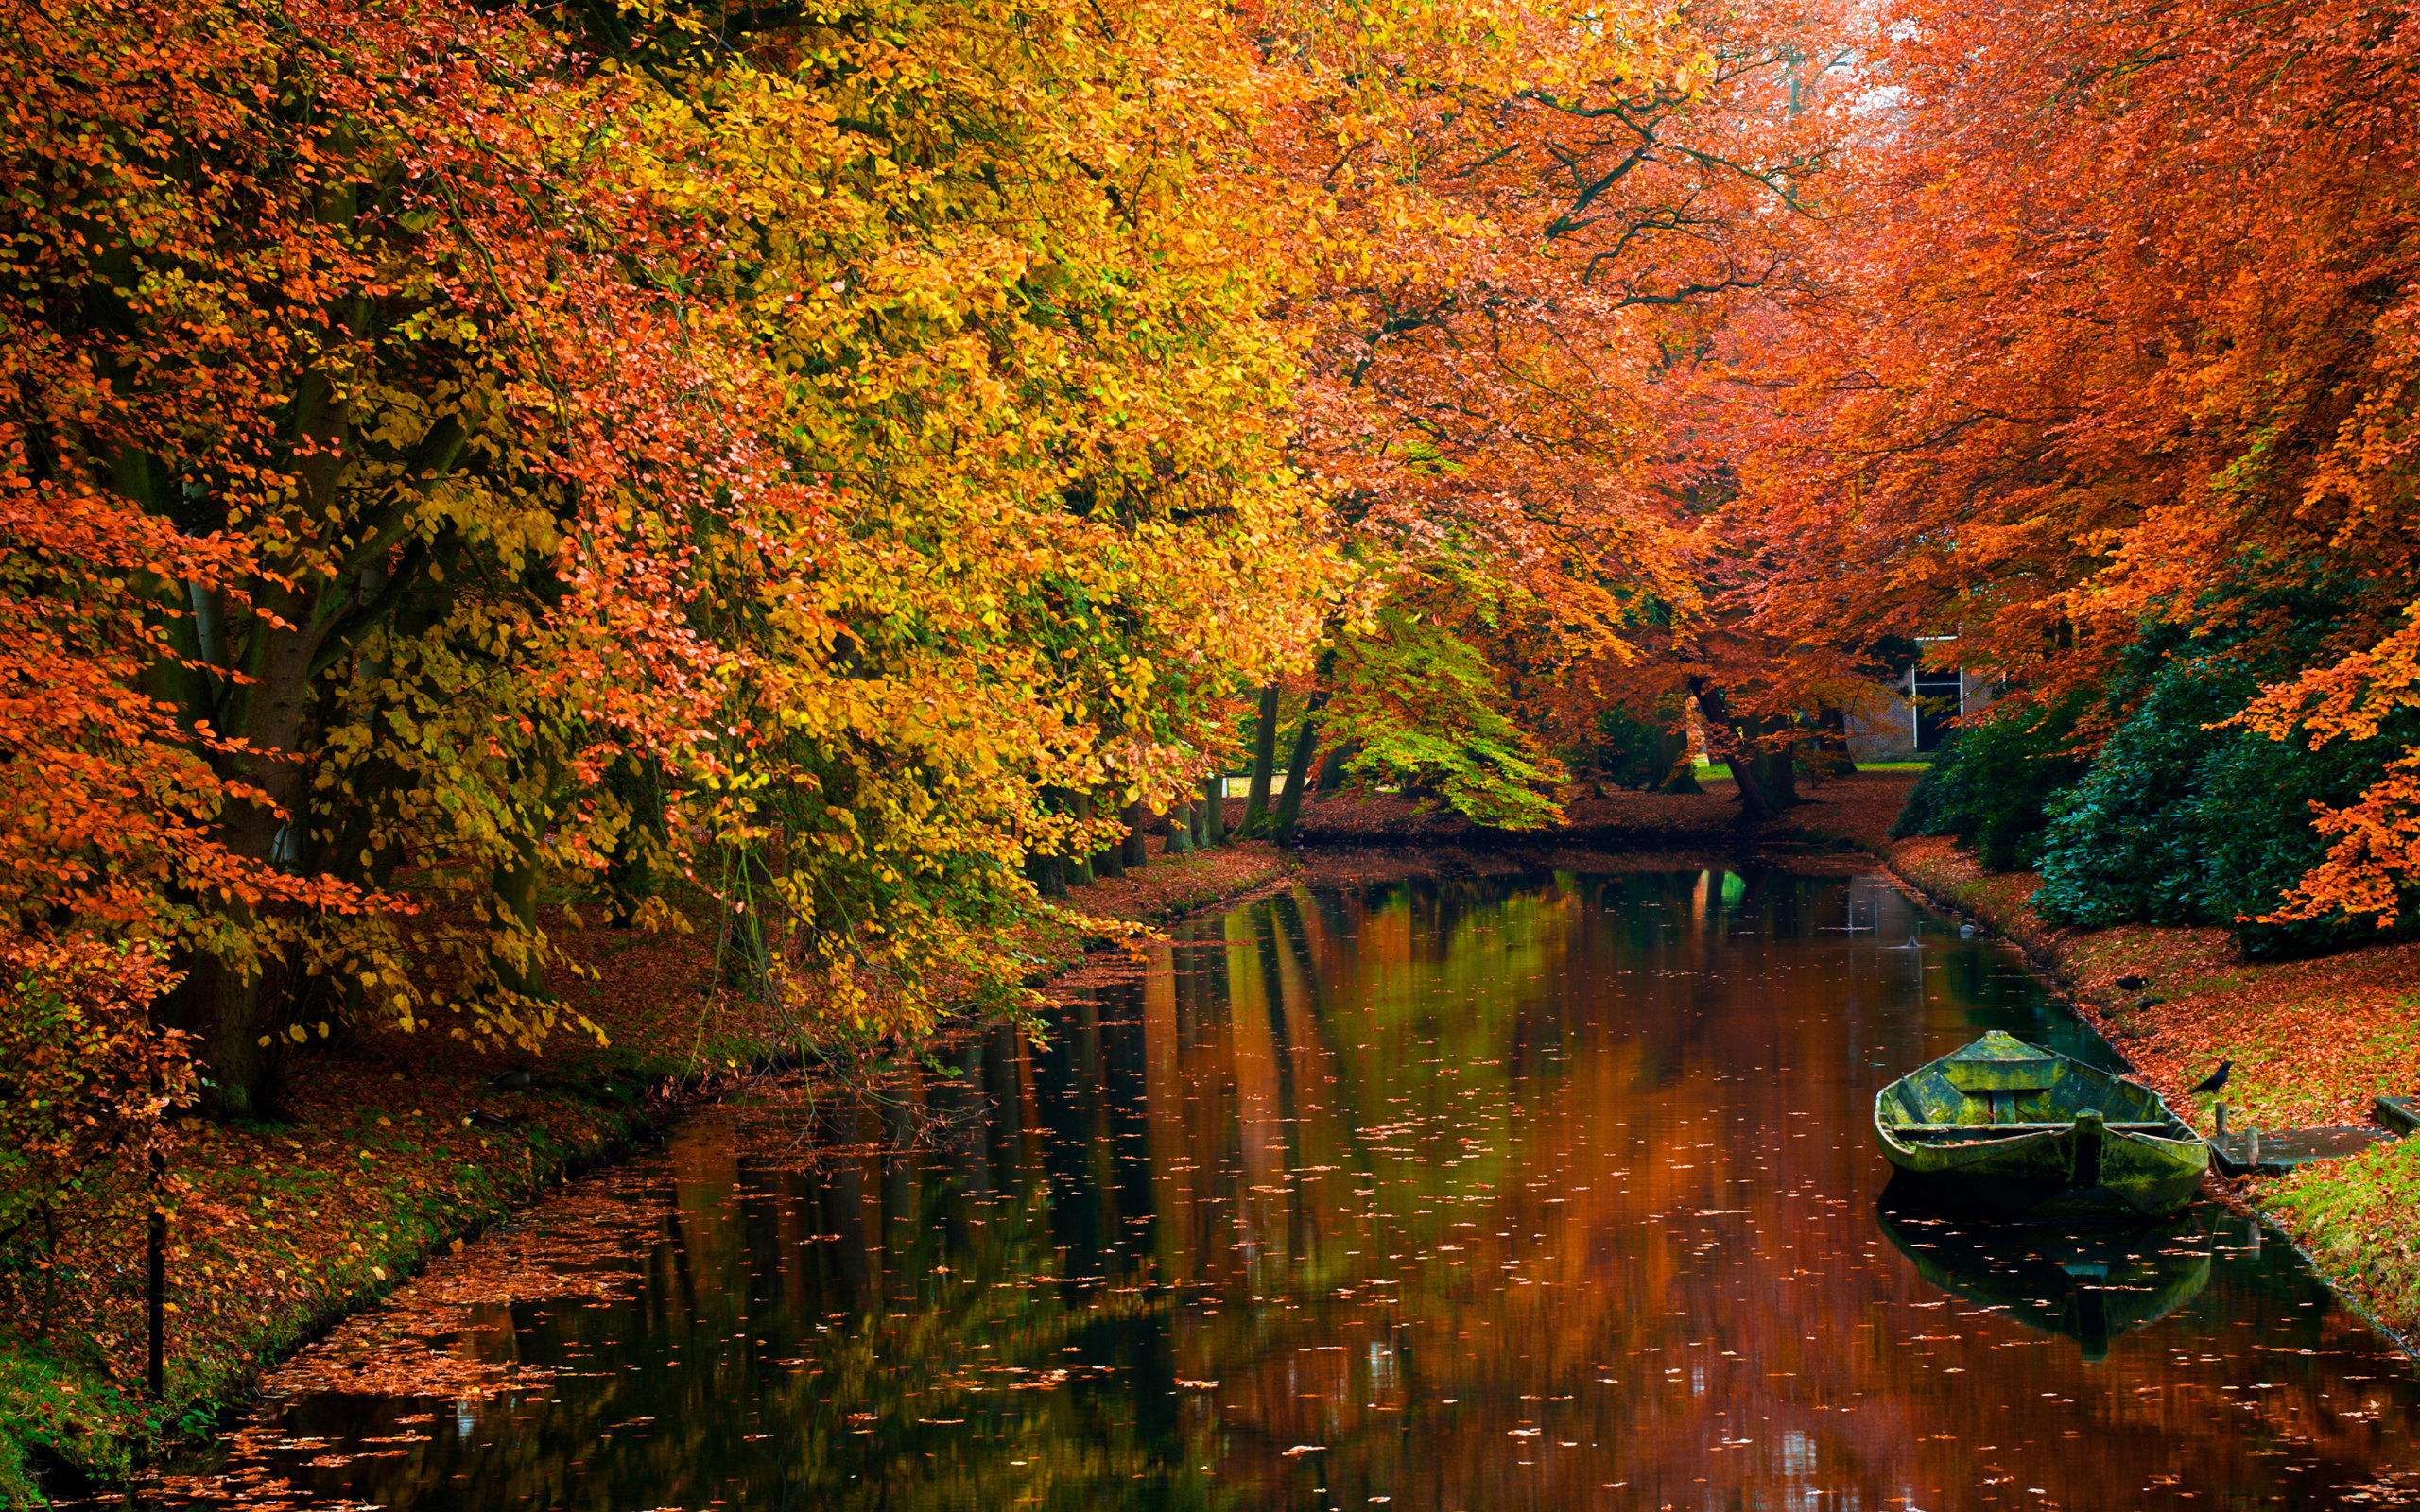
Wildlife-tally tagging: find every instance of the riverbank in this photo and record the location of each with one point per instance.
(2314, 1042)
(1840, 820)
(396, 1147)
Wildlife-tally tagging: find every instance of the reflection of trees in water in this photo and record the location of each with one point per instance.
(1619, 1102)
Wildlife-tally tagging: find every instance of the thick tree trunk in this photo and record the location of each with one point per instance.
(1672, 754)
(1332, 766)
(222, 1001)
(1780, 776)
(1774, 760)
(1138, 845)
(630, 879)
(1264, 759)
(1298, 771)
(1180, 830)
(1047, 871)
(254, 679)
(1831, 756)
(1214, 809)
(512, 958)
(1081, 864)
(220, 1004)
(1724, 738)
(1112, 861)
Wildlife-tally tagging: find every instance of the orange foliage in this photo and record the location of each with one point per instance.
(2114, 325)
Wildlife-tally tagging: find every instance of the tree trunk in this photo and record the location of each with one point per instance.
(220, 1001)
(220, 1004)
(514, 960)
(1781, 777)
(1049, 874)
(1725, 744)
(1110, 862)
(1264, 759)
(1672, 754)
(1180, 830)
(1831, 756)
(1298, 771)
(1138, 845)
(630, 878)
(1332, 766)
(1214, 809)
(1047, 871)
(253, 681)
(155, 1292)
(1775, 764)
(1081, 861)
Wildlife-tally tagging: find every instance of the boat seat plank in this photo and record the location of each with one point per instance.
(2154, 1126)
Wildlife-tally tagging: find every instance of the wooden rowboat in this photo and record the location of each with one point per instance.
(2004, 1126)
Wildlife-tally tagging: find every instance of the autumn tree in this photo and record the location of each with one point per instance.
(2111, 334)
(454, 447)
(1511, 217)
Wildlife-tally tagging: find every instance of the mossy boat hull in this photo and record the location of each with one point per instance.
(2006, 1127)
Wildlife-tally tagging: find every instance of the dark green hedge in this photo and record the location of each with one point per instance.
(2181, 818)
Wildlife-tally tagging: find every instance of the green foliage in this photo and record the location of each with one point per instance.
(1627, 752)
(2179, 822)
(84, 1078)
(53, 1409)
(1424, 708)
(1991, 783)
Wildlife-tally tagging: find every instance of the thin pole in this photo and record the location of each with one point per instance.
(156, 1290)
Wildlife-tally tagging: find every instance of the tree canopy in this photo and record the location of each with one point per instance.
(842, 461)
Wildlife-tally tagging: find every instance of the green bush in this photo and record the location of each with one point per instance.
(2258, 840)
(2125, 844)
(2181, 823)
(1989, 784)
(1628, 751)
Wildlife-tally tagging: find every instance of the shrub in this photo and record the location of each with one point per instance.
(2125, 843)
(1634, 753)
(2181, 823)
(1624, 750)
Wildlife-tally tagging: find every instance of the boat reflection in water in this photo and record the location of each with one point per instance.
(2090, 1284)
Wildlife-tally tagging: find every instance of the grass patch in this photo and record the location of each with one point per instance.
(2360, 1218)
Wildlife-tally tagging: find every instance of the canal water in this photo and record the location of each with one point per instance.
(1545, 1191)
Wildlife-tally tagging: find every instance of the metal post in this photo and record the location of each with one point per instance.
(156, 1299)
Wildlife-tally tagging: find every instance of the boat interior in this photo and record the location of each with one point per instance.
(2001, 1087)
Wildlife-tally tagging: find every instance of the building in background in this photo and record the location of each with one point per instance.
(1912, 714)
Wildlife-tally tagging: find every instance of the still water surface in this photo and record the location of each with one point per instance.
(1553, 1192)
